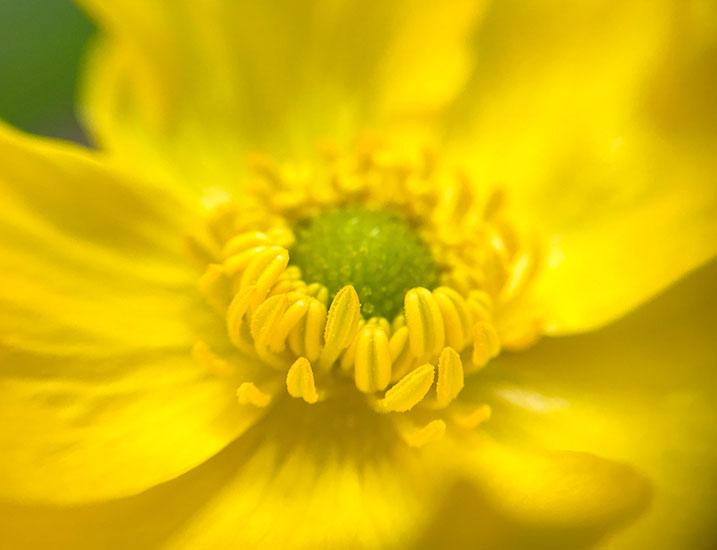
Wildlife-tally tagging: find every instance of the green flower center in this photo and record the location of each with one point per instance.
(376, 252)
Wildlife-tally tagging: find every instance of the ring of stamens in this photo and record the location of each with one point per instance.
(441, 334)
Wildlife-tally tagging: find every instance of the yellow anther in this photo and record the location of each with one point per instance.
(217, 366)
(235, 313)
(398, 322)
(460, 279)
(425, 323)
(372, 362)
(300, 381)
(264, 270)
(481, 305)
(245, 241)
(486, 344)
(401, 357)
(314, 328)
(496, 270)
(346, 363)
(380, 322)
(221, 219)
(307, 337)
(292, 273)
(214, 287)
(318, 291)
(295, 340)
(419, 437)
(450, 377)
(341, 325)
(521, 333)
(399, 342)
(470, 418)
(283, 286)
(410, 390)
(293, 315)
(458, 198)
(281, 236)
(520, 272)
(456, 317)
(288, 200)
(249, 394)
(266, 318)
(238, 262)
(349, 183)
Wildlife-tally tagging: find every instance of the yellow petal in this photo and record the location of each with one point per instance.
(641, 391)
(180, 88)
(560, 488)
(286, 484)
(596, 122)
(82, 243)
(520, 499)
(334, 491)
(99, 312)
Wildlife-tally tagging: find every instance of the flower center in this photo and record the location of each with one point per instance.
(382, 276)
(376, 252)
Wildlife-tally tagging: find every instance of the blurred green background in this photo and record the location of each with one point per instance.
(41, 48)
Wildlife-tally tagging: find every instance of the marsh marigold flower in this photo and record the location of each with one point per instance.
(323, 283)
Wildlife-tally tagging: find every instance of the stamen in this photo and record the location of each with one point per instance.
(420, 437)
(372, 363)
(480, 304)
(425, 323)
(249, 394)
(288, 321)
(341, 325)
(346, 363)
(401, 357)
(214, 287)
(264, 270)
(245, 241)
(486, 344)
(318, 291)
(235, 313)
(410, 390)
(266, 318)
(469, 418)
(217, 366)
(450, 377)
(300, 381)
(306, 338)
(456, 316)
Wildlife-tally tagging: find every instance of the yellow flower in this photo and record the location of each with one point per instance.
(334, 344)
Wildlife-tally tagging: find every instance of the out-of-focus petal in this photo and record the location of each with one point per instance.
(310, 483)
(596, 119)
(187, 88)
(641, 391)
(98, 314)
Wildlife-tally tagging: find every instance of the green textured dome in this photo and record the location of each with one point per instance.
(376, 252)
